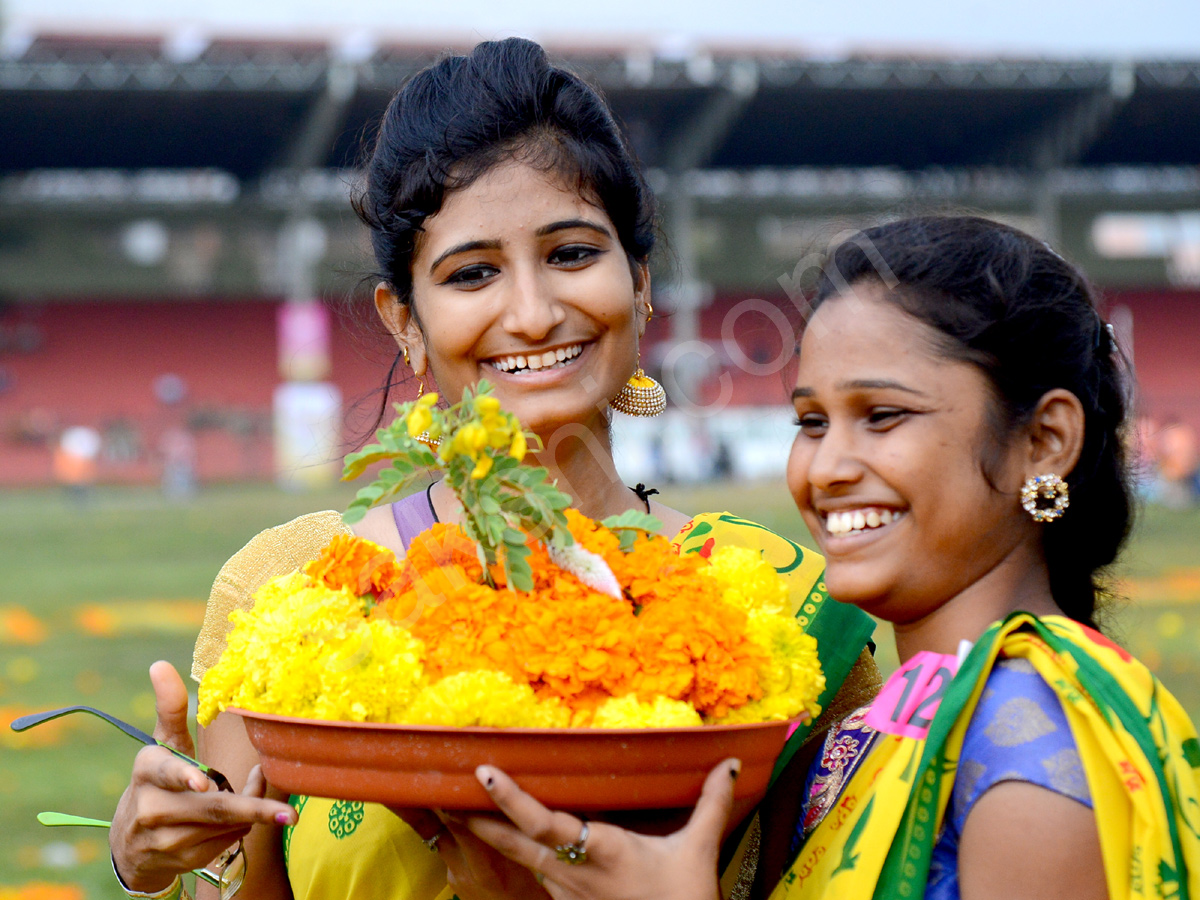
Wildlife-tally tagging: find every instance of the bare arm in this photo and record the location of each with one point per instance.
(1025, 842)
(225, 746)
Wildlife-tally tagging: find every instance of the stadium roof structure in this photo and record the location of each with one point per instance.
(114, 126)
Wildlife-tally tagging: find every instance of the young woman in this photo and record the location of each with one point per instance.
(959, 403)
(512, 229)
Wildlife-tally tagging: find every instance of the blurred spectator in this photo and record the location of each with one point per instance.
(1178, 462)
(122, 443)
(75, 460)
(1144, 454)
(178, 449)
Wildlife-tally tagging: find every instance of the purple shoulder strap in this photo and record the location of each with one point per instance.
(413, 515)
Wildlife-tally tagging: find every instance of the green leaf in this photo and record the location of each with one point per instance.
(633, 518)
(489, 504)
(516, 567)
(504, 463)
(357, 463)
(495, 530)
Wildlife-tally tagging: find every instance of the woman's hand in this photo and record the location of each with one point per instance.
(172, 818)
(473, 869)
(617, 864)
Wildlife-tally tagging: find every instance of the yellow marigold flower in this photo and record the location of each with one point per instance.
(484, 697)
(306, 650)
(747, 581)
(792, 678)
(659, 712)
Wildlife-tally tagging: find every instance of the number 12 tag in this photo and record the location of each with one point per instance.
(910, 698)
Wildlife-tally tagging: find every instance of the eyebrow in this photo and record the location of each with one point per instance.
(860, 385)
(572, 223)
(541, 232)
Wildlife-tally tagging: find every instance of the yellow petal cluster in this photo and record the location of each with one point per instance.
(747, 581)
(306, 650)
(420, 418)
(658, 712)
(791, 680)
(483, 697)
(492, 428)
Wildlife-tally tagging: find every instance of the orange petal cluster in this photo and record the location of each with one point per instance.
(356, 564)
(670, 634)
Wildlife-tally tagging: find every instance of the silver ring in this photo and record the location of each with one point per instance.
(574, 854)
(431, 842)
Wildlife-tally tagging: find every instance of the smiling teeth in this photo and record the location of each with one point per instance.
(857, 520)
(551, 359)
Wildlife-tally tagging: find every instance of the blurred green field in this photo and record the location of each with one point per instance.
(91, 594)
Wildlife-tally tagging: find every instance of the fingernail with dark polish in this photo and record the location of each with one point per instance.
(485, 776)
(735, 769)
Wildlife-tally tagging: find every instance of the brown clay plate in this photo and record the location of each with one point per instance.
(583, 769)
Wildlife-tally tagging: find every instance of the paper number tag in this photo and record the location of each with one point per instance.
(909, 699)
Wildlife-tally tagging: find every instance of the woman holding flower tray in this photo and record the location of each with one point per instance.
(512, 230)
(959, 400)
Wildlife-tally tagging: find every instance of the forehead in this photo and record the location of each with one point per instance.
(861, 335)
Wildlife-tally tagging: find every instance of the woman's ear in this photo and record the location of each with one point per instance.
(401, 324)
(1056, 431)
(641, 296)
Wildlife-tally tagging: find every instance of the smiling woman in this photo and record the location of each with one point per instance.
(511, 229)
(542, 302)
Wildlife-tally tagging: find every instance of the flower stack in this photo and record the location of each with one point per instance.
(528, 614)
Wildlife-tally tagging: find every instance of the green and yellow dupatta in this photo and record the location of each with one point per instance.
(1139, 752)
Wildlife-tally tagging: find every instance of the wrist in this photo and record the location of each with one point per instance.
(172, 891)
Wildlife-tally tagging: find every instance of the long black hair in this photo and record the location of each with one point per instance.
(1007, 303)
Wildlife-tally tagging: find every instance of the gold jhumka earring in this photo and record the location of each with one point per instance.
(641, 395)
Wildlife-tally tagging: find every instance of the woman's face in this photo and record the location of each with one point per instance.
(521, 281)
(886, 467)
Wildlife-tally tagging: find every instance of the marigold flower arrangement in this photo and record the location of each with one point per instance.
(528, 615)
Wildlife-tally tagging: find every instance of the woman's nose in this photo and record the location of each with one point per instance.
(834, 461)
(533, 309)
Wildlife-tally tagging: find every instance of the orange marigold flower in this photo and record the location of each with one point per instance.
(356, 564)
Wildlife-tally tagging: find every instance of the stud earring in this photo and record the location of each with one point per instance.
(641, 395)
(1045, 497)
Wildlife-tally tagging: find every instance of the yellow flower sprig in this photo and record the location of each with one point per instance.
(480, 448)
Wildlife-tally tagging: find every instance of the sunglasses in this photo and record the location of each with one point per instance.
(226, 872)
